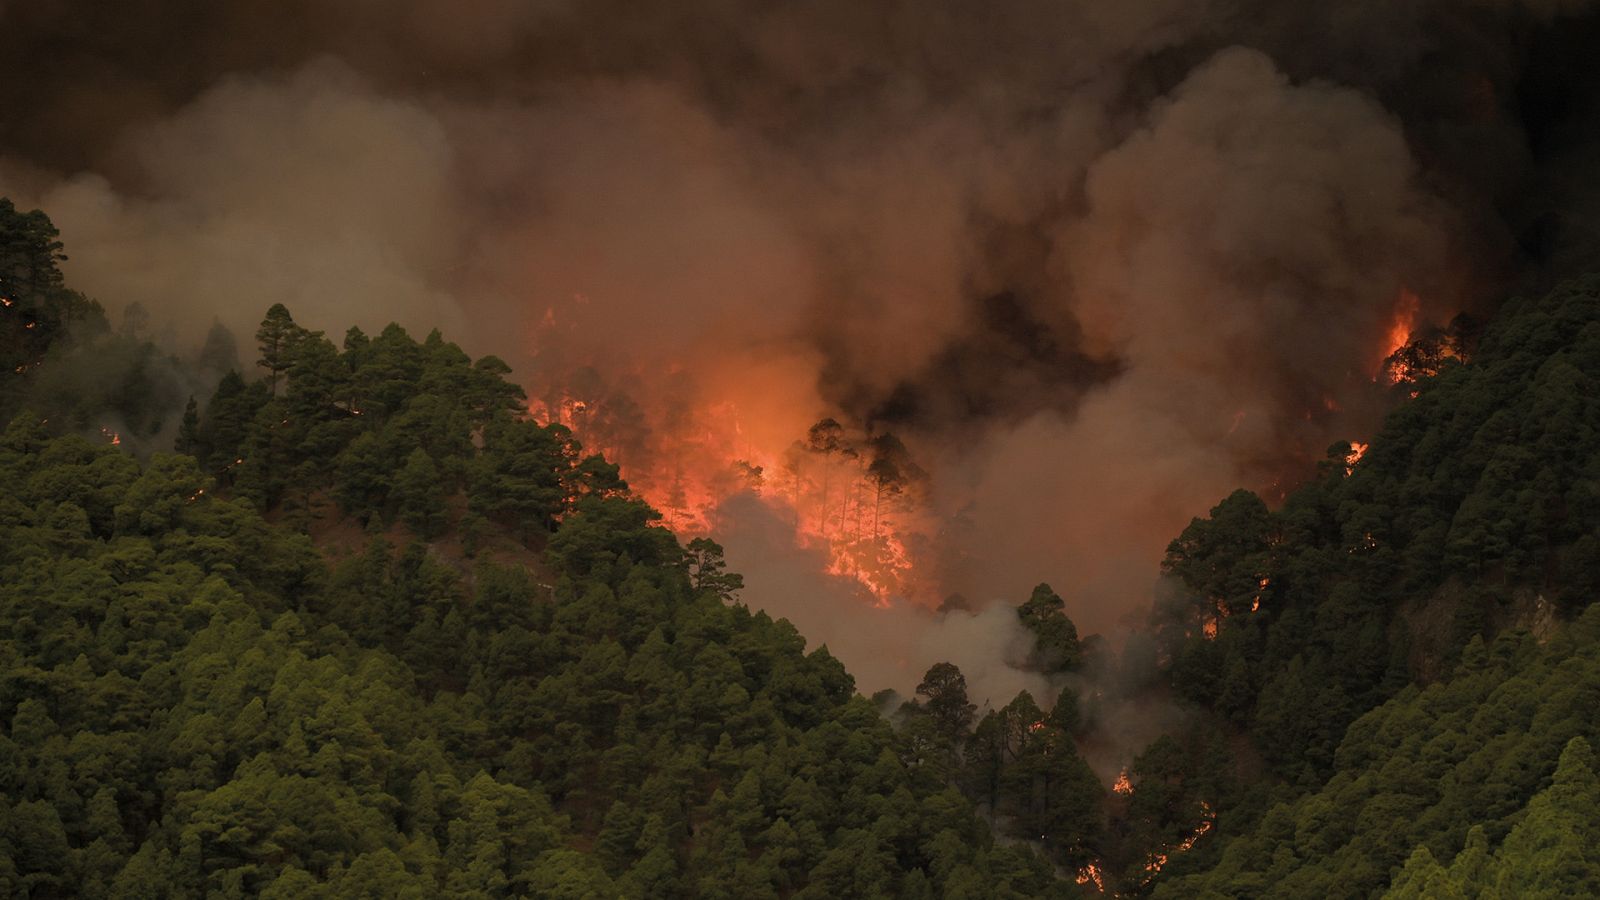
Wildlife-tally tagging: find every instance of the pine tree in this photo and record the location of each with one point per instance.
(417, 490)
(276, 339)
(188, 442)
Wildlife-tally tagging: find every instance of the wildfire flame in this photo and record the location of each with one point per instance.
(1122, 785)
(1403, 322)
(1159, 858)
(685, 462)
(1222, 609)
(1091, 873)
(1414, 354)
(113, 437)
(1358, 449)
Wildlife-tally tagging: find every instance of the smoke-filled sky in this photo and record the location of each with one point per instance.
(1096, 263)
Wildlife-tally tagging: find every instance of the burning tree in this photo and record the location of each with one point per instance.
(1426, 353)
(848, 493)
(1220, 564)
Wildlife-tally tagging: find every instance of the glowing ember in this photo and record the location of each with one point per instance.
(1091, 873)
(1122, 785)
(1159, 858)
(1209, 629)
(111, 436)
(1358, 449)
(1261, 588)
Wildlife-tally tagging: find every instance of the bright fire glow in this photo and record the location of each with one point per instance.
(1091, 873)
(1358, 449)
(687, 458)
(1403, 322)
(1122, 785)
(1155, 861)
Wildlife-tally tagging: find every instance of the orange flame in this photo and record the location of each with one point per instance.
(1406, 307)
(692, 459)
(1091, 873)
(1160, 858)
(1122, 785)
(1401, 323)
(1358, 449)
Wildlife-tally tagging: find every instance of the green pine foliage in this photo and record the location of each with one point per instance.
(522, 685)
(196, 703)
(1481, 785)
(1457, 544)
(1477, 505)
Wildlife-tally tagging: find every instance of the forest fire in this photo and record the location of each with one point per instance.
(1158, 859)
(1358, 449)
(1404, 321)
(851, 495)
(1123, 785)
(1211, 625)
(1091, 874)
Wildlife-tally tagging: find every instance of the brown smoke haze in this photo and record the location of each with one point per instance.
(1097, 264)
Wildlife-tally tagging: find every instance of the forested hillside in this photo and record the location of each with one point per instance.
(1471, 523)
(199, 704)
(1476, 508)
(374, 631)
(1490, 771)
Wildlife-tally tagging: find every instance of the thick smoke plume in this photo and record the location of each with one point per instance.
(1094, 264)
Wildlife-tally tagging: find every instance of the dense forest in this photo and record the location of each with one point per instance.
(345, 620)
(559, 700)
